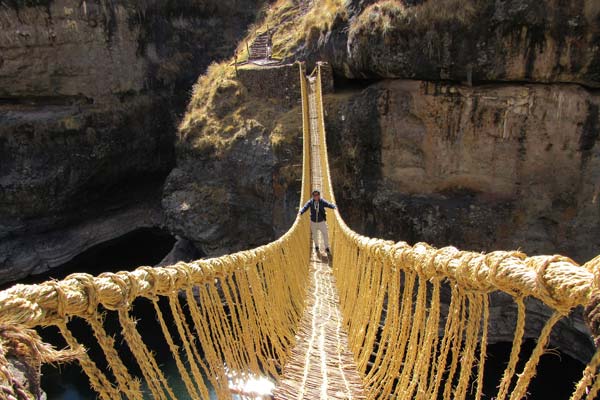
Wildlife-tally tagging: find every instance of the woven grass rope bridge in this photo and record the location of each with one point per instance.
(368, 324)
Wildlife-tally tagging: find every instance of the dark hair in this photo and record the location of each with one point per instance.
(316, 192)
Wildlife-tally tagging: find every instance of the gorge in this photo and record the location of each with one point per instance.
(472, 124)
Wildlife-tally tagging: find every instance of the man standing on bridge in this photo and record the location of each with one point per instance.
(317, 218)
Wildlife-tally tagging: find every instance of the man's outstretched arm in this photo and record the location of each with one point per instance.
(329, 205)
(303, 209)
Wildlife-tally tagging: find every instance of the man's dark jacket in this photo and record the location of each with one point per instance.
(317, 209)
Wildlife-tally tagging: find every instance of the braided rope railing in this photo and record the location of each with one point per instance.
(226, 318)
(400, 285)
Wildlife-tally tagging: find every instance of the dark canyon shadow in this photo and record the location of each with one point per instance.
(144, 246)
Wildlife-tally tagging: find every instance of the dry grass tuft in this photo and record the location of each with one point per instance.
(210, 96)
(385, 16)
(222, 112)
(290, 29)
(445, 10)
(322, 15)
(379, 17)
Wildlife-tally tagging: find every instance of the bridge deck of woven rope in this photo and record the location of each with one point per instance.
(320, 365)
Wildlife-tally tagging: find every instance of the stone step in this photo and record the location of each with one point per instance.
(259, 47)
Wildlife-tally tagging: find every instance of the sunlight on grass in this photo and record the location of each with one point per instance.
(385, 16)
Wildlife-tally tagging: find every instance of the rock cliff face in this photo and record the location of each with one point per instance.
(475, 40)
(481, 168)
(90, 94)
(239, 154)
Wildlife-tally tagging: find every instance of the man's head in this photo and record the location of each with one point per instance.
(316, 194)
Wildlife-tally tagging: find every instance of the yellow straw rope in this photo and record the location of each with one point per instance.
(514, 353)
(483, 346)
(192, 391)
(154, 377)
(127, 384)
(98, 380)
(529, 370)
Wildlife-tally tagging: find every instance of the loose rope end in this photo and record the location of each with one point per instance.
(22, 353)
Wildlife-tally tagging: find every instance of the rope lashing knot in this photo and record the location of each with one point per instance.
(61, 302)
(183, 277)
(121, 295)
(400, 252)
(465, 273)
(420, 260)
(380, 250)
(87, 283)
(495, 260)
(547, 292)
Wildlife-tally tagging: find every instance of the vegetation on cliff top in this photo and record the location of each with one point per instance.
(217, 94)
(387, 15)
(292, 25)
(222, 111)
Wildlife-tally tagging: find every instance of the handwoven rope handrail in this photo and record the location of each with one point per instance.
(79, 294)
(368, 272)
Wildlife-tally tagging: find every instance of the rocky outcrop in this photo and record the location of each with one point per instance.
(236, 184)
(473, 40)
(90, 95)
(481, 168)
(32, 252)
(183, 250)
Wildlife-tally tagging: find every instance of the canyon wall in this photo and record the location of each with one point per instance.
(475, 40)
(90, 96)
(481, 168)
(492, 167)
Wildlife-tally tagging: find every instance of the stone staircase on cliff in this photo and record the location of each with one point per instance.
(260, 48)
(260, 51)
